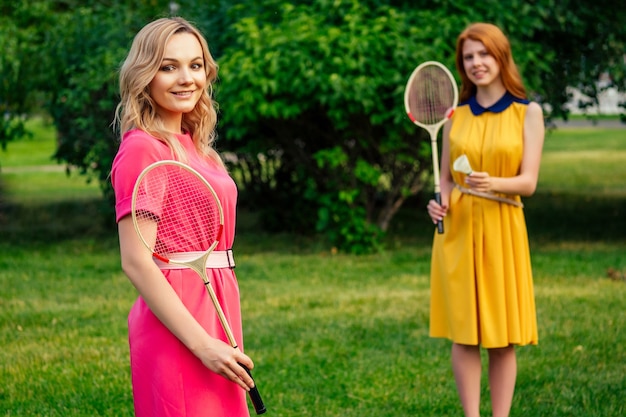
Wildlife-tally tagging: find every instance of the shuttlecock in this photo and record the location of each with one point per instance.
(461, 164)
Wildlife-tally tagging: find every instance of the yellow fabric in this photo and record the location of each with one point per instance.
(481, 277)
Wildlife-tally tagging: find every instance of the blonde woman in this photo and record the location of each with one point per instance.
(481, 278)
(181, 361)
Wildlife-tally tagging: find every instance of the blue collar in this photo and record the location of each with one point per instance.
(500, 106)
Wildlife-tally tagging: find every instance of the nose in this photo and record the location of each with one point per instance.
(477, 60)
(185, 76)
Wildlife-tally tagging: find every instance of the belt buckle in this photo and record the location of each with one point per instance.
(230, 257)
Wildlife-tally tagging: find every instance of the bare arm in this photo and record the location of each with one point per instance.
(525, 183)
(148, 279)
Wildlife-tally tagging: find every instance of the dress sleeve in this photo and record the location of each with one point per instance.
(137, 150)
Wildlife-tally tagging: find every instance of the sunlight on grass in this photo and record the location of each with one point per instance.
(34, 150)
(588, 162)
(331, 334)
(47, 186)
(28, 173)
(585, 139)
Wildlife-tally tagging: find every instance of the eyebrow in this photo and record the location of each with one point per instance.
(176, 60)
(476, 52)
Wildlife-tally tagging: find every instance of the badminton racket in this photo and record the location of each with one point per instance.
(430, 98)
(175, 210)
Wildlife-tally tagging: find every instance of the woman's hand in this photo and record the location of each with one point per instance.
(436, 211)
(224, 360)
(479, 181)
(216, 355)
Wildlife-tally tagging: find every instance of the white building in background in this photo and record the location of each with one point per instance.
(609, 100)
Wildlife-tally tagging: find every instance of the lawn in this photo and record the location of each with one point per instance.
(330, 334)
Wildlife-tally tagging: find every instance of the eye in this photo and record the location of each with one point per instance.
(197, 66)
(167, 68)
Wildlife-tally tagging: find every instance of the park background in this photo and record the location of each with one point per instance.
(335, 298)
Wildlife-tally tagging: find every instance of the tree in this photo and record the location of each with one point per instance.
(19, 37)
(589, 39)
(312, 98)
(82, 52)
(313, 106)
(310, 92)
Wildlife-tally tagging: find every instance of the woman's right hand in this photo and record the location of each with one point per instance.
(436, 211)
(224, 360)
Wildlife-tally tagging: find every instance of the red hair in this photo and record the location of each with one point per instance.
(499, 47)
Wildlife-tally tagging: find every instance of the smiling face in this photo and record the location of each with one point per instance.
(479, 65)
(180, 81)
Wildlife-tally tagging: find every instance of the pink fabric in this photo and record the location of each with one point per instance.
(168, 380)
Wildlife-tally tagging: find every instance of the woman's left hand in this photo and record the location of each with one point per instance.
(479, 181)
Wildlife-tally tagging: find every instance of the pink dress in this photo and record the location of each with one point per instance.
(168, 380)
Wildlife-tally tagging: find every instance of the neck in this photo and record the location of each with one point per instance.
(172, 122)
(488, 95)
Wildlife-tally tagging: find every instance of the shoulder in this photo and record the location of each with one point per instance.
(137, 137)
(534, 125)
(534, 108)
(138, 150)
(534, 112)
(138, 144)
(462, 110)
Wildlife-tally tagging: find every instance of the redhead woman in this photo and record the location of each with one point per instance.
(481, 278)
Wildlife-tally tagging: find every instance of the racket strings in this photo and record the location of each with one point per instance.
(431, 95)
(181, 207)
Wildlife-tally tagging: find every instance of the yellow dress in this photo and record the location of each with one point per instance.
(481, 277)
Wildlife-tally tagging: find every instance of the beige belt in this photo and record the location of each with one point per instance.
(489, 196)
(216, 259)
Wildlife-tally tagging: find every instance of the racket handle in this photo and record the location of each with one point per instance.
(440, 222)
(255, 397)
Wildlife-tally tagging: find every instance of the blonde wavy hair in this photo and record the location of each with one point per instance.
(137, 109)
(499, 47)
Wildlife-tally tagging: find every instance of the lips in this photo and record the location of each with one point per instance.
(183, 93)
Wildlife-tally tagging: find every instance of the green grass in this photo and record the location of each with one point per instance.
(587, 117)
(36, 149)
(585, 161)
(331, 334)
